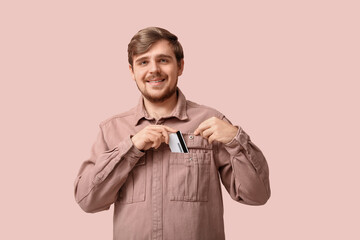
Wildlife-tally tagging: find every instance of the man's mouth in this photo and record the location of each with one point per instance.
(155, 81)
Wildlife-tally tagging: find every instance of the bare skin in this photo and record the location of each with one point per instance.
(152, 136)
(216, 129)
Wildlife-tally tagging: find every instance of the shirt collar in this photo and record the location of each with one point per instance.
(178, 112)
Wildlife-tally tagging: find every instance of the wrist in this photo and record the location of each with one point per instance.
(234, 133)
(133, 140)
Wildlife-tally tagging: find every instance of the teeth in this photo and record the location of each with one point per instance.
(157, 81)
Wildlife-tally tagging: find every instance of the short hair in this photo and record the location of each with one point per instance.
(145, 38)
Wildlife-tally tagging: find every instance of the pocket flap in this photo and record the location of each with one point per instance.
(198, 141)
(190, 159)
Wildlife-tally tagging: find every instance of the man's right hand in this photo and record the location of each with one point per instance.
(152, 136)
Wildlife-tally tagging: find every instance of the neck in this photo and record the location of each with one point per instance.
(161, 109)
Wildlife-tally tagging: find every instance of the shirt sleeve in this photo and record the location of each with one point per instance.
(243, 169)
(102, 175)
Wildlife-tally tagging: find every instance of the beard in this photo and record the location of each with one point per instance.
(158, 99)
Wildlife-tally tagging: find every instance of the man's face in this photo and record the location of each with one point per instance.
(156, 72)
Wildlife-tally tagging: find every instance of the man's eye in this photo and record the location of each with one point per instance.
(143, 62)
(163, 60)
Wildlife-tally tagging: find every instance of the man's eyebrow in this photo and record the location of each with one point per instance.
(163, 56)
(141, 59)
(157, 56)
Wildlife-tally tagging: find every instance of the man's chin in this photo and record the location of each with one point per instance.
(158, 97)
(155, 99)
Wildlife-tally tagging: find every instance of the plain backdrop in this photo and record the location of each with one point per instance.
(286, 71)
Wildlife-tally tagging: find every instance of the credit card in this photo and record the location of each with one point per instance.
(177, 143)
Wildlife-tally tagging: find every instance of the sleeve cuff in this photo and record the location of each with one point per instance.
(241, 143)
(133, 154)
(238, 143)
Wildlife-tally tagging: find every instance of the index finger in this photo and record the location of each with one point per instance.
(165, 130)
(203, 126)
(169, 129)
(165, 135)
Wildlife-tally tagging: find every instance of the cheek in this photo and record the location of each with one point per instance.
(171, 71)
(139, 75)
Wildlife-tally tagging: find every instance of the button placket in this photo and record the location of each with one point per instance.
(157, 196)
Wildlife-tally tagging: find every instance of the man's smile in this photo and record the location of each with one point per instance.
(156, 81)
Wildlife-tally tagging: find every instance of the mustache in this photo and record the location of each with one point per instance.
(154, 76)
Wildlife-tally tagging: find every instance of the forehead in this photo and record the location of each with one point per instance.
(161, 47)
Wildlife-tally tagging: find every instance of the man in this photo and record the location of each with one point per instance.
(157, 193)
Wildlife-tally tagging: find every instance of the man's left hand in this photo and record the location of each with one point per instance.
(216, 129)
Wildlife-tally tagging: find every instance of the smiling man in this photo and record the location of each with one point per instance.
(157, 193)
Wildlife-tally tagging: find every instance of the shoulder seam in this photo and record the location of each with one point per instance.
(196, 105)
(120, 115)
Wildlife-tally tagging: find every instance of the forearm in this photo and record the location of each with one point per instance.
(101, 177)
(247, 173)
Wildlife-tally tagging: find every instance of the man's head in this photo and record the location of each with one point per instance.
(145, 38)
(155, 62)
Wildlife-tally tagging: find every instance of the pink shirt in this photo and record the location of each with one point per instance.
(158, 194)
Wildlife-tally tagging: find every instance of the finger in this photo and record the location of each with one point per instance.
(153, 136)
(169, 129)
(149, 143)
(155, 145)
(165, 136)
(165, 130)
(158, 144)
(160, 137)
(207, 132)
(204, 125)
(162, 127)
(156, 140)
(211, 138)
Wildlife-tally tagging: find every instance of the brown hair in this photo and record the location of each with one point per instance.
(145, 38)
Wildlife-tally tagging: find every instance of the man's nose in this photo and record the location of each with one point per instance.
(154, 67)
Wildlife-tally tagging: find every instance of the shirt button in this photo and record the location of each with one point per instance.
(191, 137)
(190, 158)
(100, 176)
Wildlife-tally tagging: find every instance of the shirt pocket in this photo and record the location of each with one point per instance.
(189, 173)
(133, 189)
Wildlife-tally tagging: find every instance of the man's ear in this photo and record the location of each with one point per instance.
(181, 67)
(132, 71)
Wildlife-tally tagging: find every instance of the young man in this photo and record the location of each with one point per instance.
(157, 193)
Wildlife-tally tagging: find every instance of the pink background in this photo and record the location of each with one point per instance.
(286, 71)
